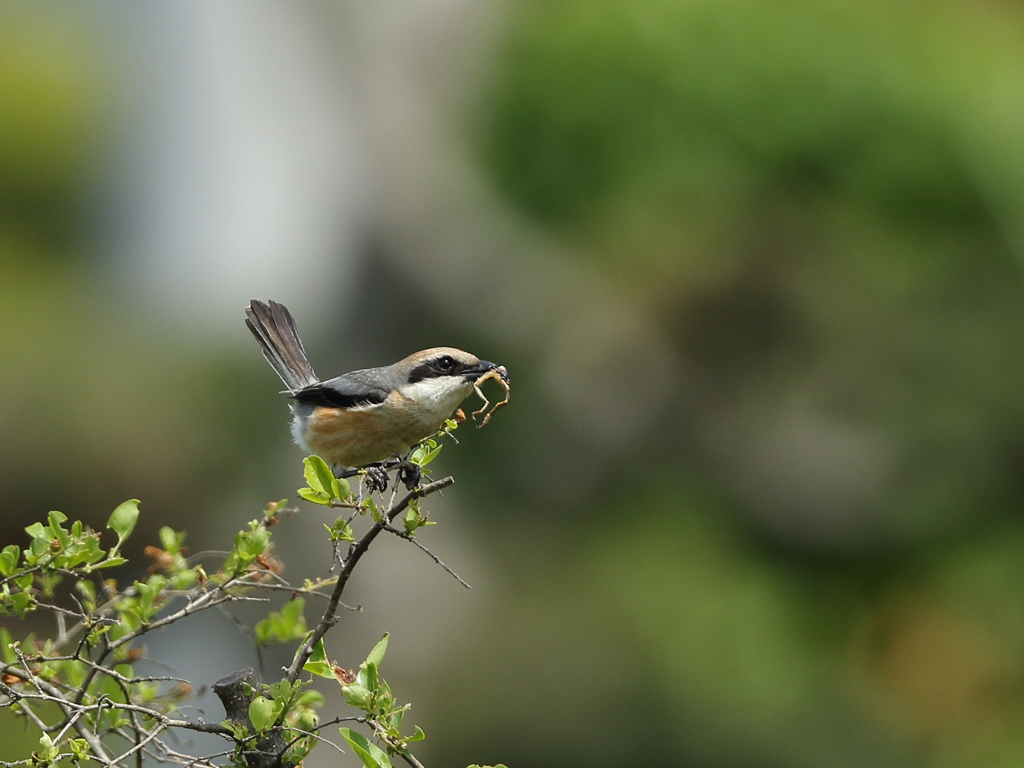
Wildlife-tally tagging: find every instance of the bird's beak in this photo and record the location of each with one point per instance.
(485, 366)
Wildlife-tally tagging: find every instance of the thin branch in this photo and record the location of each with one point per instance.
(49, 692)
(408, 756)
(302, 734)
(355, 552)
(140, 745)
(204, 601)
(410, 538)
(402, 752)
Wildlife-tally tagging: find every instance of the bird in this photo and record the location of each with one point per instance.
(365, 417)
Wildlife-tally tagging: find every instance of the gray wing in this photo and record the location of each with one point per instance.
(370, 386)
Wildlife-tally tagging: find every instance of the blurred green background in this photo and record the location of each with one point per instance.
(755, 270)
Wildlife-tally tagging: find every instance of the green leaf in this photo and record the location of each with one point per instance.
(418, 736)
(171, 540)
(357, 695)
(430, 455)
(317, 663)
(368, 675)
(5, 646)
(309, 699)
(411, 521)
(340, 488)
(55, 519)
(371, 507)
(79, 749)
(9, 559)
(261, 712)
(273, 509)
(292, 611)
(317, 497)
(318, 475)
(87, 590)
(48, 751)
(376, 655)
(282, 627)
(122, 520)
(340, 531)
(370, 754)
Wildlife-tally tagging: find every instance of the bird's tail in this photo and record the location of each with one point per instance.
(274, 328)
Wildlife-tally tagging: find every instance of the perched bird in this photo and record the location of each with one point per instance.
(366, 416)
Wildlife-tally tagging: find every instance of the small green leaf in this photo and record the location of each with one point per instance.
(170, 540)
(87, 590)
(6, 650)
(9, 559)
(55, 519)
(79, 749)
(430, 455)
(369, 506)
(309, 699)
(317, 497)
(340, 531)
(317, 664)
(122, 520)
(261, 712)
(48, 751)
(357, 695)
(282, 627)
(376, 655)
(340, 488)
(370, 754)
(411, 521)
(368, 675)
(318, 475)
(292, 611)
(273, 509)
(418, 736)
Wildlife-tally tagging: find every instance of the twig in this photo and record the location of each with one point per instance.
(403, 752)
(355, 552)
(48, 692)
(410, 538)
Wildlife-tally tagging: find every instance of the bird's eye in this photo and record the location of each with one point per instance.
(446, 363)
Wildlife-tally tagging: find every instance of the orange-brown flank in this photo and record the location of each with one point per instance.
(334, 435)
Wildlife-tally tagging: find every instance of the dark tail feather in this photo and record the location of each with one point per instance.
(274, 328)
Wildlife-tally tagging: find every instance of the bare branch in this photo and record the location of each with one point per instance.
(408, 537)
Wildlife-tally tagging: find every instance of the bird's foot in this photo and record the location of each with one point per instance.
(377, 479)
(409, 474)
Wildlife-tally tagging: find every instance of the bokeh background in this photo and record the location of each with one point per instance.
(755, 269)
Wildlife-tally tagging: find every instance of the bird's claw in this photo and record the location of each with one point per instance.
(409, 474)
(377, 479)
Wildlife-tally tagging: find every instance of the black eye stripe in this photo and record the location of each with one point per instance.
(445, 365)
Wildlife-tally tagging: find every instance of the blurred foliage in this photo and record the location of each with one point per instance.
(821, 202)
(98, 401)
(51, 114)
